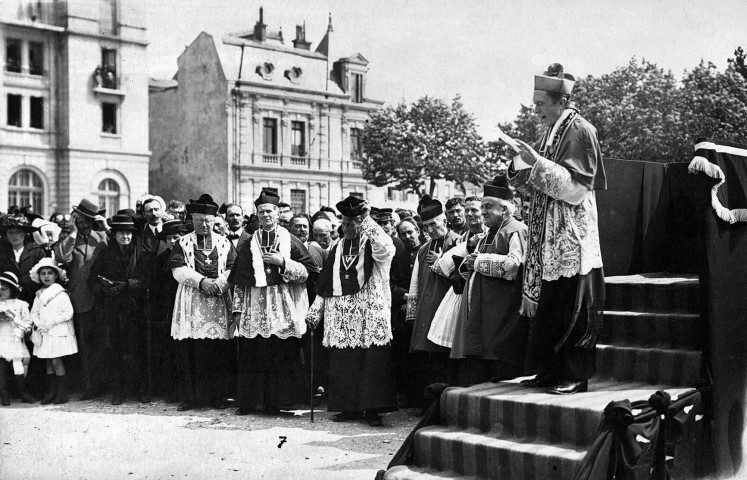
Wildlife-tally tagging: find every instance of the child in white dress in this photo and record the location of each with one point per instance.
(52, 317)
(14, 322)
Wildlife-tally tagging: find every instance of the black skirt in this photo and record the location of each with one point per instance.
(361, 379)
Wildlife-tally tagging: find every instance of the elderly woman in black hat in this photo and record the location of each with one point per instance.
(117, 279)
(18, 252)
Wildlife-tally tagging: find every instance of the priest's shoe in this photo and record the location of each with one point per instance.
(539, 381)
(568, 387)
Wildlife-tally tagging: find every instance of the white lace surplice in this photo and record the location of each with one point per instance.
(364, 318)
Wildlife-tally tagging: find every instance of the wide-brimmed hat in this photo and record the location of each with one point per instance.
(10, 278)
(172, 227)
(16, 221)
(46, 262)
(123, 223)
(88, 209)
(45, 227)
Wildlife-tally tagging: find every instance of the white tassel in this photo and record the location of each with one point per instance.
(702, 165)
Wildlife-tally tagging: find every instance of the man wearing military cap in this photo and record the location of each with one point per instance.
(563, 286)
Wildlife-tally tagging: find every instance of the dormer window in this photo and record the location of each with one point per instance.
(265, 70)
(356, 87)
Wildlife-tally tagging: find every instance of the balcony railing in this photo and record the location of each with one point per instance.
(295, 162)
(299, 161)
(270, 158)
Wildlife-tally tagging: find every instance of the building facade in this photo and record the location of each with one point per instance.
(249, 112)
(74, 104)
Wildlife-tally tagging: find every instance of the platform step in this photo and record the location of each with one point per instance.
(655, 366)
(487, 456)
(642, 329)
(653, 292)
(411, 472)
(510, 411)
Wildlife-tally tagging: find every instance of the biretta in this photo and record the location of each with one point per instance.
(88, 209)
(555, 80)
(429, 208)
(351, 206)
(204, 205)
(267, 196)
(498, 188)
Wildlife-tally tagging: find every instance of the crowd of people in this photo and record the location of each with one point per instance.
(204, 304)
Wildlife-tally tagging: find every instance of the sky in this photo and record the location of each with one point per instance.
(486, 51)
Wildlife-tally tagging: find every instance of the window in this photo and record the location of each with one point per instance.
(26, 188)
(357, 195)
(356, 145)
(109, 68)
(298, 139)
(356, 87)
(14, 110)
(36, 58)
(12, 55)
(109, 195)
(109, 117)
(298, 200)
(270, 136)
(37, 113)
(392, 193)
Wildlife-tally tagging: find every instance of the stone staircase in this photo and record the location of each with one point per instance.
(651, 341)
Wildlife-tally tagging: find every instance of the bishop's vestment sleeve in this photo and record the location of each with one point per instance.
(382, 246)
(503, 266)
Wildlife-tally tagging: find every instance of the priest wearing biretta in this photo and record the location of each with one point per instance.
(489, 337)
(201, 262)
(354, 299)
(269, 309)
(563, 284)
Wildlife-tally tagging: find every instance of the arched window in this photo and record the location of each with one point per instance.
(109, 196)
(26, 188)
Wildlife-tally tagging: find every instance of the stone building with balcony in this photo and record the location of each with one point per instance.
(73, 104)
(249, 111)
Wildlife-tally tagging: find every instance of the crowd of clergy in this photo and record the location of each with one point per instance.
(357, 307)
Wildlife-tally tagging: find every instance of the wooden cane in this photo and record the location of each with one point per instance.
(311, 372)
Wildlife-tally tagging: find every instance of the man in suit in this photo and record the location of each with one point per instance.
(236, 235)
(77, 253)
(153, 209)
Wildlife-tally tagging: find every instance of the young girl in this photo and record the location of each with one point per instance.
(14, 322)
(52, 316)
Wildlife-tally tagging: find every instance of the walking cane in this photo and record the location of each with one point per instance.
(311, 371)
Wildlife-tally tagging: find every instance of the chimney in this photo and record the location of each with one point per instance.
(260, 29)
(300, 41)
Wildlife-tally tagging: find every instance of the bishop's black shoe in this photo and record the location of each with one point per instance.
(539, 381)
(567, 387)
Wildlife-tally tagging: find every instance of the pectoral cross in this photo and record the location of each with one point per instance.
(267, 245)
(208, 261)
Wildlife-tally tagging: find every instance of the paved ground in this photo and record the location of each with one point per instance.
(94, 440)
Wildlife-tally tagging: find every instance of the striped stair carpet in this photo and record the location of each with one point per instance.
(501, 430)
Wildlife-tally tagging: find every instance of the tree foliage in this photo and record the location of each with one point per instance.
(643, 112)
(428, 140)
